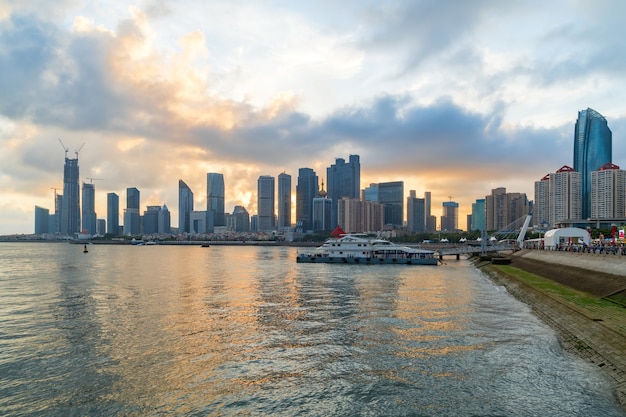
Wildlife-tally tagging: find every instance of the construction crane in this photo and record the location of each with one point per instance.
(78, 150)
(91, 180)
(66, 149)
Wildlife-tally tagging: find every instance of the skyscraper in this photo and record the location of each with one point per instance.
(42, 220)
(306, 190)
(565, 195)
(478, 215)
(89, 208)
(322, 207)
(215, 197)
(415, 215)
(70, 207)
(592, 150)
(344, 180)
(113, 214)
(284, 200)
(608, 193)
(450, 217)
(391, 196)
(265, 203)
(131, 214)
(185, 207)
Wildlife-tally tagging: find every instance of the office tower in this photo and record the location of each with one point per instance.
(322, 212)
(185, 207)
(415, 213)
(391, 196)
(131, 214)
(70, 207)
(608, 191)
(265, 203)
(165, 226)
(284, 201)
(42, 220)
(239, 221)
(565, 196)
(101, 225)
(478, 215)
(344, 180)
(592, 150)
(469, 222)
(449, 219)
(113, 214)
(306, 190)
(89, 209)
(359, 216)
(215, 197)
(430, 220)
(201, 222)
(150, 220)
(370, 193)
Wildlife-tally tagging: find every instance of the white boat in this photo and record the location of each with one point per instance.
(359, 248)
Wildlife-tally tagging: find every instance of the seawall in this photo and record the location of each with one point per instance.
(597, 335)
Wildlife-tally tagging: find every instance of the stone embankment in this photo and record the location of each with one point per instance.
(597, 334)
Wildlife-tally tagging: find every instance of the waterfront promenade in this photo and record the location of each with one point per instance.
(570, 292)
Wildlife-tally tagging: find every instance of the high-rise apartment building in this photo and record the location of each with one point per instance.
(565, 196)
(541, 208)
(503, 209)
(344, 180)
(132, 225)
(284, 201)
(592, 150)
(306, 190)
(391, 196)
(450, 216)
(89, 209)
(215, 197)
(557, 198)
(70, 206)
(265, 203)
(113, 214)
(185, 207)
(415, 213)
(608, 193)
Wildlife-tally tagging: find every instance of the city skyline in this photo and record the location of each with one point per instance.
(453, 99)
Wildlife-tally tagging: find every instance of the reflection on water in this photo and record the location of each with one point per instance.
(161, 330)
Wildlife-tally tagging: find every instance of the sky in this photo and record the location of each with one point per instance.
(452, 97)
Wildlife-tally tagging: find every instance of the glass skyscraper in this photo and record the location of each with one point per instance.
(89, 208)
(70, 206)
(131, 216)
(284, 200)
(265, 204)
(215, 197)
(306, 190)
(391, 196)
(185, 207)
(592, 150)
(344, 180)
(113, 214)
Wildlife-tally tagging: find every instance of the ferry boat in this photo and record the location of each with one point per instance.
(357, 248)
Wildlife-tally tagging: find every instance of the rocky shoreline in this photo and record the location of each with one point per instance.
(597, 336)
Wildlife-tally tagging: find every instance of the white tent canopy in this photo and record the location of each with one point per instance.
(554, 237)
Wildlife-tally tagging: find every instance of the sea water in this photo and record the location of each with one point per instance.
(247, 331)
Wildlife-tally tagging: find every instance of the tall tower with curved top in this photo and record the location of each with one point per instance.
(592, 150)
